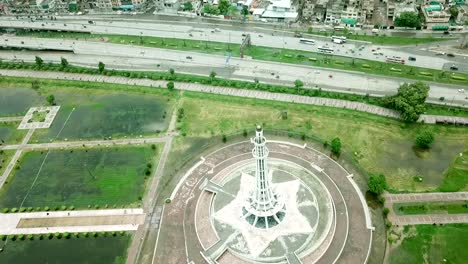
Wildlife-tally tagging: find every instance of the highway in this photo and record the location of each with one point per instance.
(260, 37)
(128, 57)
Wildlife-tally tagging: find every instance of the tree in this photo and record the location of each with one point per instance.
(244, 11)
(188, 6)
(63, 62)
(210, 9)
(377, 184)
(424, 139)
(170, 86)
(101, 66)
(223, 7)
(409, 101)
(336, 146)
(408, 19)
(35, 85)
(171, 71)
(212, 75)
(39, 61)
(298, 84)
(453, 12)
(51, 99)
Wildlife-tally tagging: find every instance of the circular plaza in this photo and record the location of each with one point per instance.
(320, 216)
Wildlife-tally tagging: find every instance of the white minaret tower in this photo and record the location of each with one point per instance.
(264, 208)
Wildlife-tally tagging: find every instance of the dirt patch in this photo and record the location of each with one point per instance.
(81, 221)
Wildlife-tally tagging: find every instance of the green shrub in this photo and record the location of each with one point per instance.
(455, 77)
(58, 235)
(386, 211)
(395, 69)
(425, 73)
(30, 237)
(3, 237)
(313, 59)
(367, 66)
(12, 237)
(6, 210)
(66, 235)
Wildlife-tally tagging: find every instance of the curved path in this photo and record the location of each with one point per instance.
(352, 239)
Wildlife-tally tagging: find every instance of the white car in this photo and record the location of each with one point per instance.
(461, 90)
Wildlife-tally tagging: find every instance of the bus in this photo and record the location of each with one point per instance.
(325, 50)
(306, 41)
(341, 38)
(338, 28)
(395, 60)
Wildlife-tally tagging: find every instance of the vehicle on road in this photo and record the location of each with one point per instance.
(338, 28)
(461, 90)
(395, 59)
(440, 53)
(260, 35)
(243, 34)
(338, 41)
(450, 55)
(326, 50)
(298, 35)
(307, 41)
(342, 38)
(410, 58)
(189, 57)
(454, 67)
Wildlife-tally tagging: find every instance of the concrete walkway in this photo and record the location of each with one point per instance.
(377, 110)
(91, 143)
(11, 119)
(16, 156)
(390, 199)
(71, 221)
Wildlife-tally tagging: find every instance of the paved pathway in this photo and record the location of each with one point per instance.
(91, 143)
(149, 202)
(71, 221)
(390, 199)
(14, 159)
(225, 91)
(11, 119)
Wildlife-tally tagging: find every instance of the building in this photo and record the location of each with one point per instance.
(436, 17)
(280, 11)
(395, 9)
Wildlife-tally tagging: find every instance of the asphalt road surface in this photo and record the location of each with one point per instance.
(129, 57)
(203, 32)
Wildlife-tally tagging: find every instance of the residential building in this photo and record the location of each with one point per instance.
(280, 11)
(436, 17)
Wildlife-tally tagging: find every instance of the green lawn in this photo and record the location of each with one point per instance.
(432, 244)
(274, 54)
(456, 176)
(9, 134)
(378, 144)
(80, 178)
(15, 100)
(5, 157)
(100, 250)
(431, 208)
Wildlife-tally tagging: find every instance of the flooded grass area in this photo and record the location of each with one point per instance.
(82, 178)
(93, 114)
(16, 101)
(99, 250)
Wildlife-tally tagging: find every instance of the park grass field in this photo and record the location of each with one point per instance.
(273, 54)
(431, 244)
(9, 134)
(377, 144)
(83, 178)
(90, 250)
(456, 176)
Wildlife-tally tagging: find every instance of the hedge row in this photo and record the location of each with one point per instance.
(56, 208)
(58, 235)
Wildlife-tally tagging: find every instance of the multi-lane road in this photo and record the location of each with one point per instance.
(226, 34)
(128, 57)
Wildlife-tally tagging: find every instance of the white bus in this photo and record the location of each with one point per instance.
(338, 28)
(341, 38)
(306, 41)
(325, 50)
(395, 60)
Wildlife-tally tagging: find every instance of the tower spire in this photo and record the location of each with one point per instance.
(264, 208)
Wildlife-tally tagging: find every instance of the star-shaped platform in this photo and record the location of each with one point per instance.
(258, 239)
